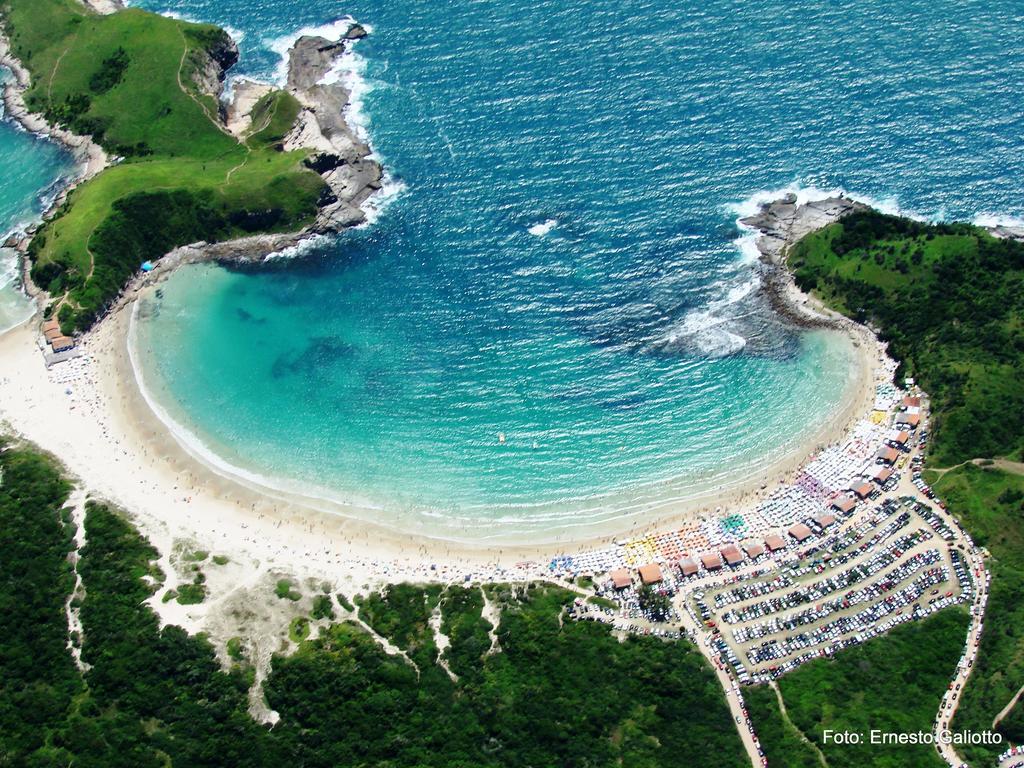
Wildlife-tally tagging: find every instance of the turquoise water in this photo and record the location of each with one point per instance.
(31, 169)
(561, 267)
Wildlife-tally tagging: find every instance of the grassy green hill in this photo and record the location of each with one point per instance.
(130, 81)
(950, 299)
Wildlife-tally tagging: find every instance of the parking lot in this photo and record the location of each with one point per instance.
(898, 563)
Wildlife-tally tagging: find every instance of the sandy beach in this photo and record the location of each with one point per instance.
(91, 414)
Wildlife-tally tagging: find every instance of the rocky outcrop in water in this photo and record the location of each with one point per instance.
(211, 68)
(343, 159)
(780, 224)
(783, 222)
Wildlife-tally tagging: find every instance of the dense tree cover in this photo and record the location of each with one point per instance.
(38, 679)
(990, 502)
(128, 79)
(467, 630)
(401, 613)
(782, 742)
(950, 300)
(893, 683)
(557, 693)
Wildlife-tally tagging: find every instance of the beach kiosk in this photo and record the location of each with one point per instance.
(621, 578)
(650, 574)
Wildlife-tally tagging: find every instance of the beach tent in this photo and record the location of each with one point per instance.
(711, 561)
(731, 554)
(753, 549)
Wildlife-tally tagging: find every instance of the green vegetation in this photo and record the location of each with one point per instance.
(781, 741)
(284, 589)
(130, 81)
(990, 503)
(323, 608)
(298, 629)
(659, 606)
(950, 300)
(893, 683)
(344, 602)
(191, 594)
(468, 632)
(559, 693)
(234, 648)
(38, 679)
(566, 694)
(401, 613)
(221, 560)
(272, 118)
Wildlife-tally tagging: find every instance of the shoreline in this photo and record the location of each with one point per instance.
(121, 416)
(344, 160)
(107, 386)
(635, 510)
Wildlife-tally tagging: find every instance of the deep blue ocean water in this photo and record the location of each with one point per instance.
(561, 267)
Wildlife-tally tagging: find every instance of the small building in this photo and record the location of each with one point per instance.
(753, 549)
(711, 561)
(911, 402)
(51, 334)
(882, 475)
(688, 566)
(825, 520)
(846, 504)
(898, 437)
(861, 490)
(800, 532)
(774, 542)
(909, 419)
(887, 455)
(62, 343)
(51, 325)
(731, 554)
(650, 573)
(621, 578)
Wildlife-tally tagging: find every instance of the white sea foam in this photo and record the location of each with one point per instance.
(997, 220)
(350, 72)
(705, 329)
(391, 189)
(308, 245)
(332, 30)
(8, 267)
(15, 307)
(806, 193)
(541, 229)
